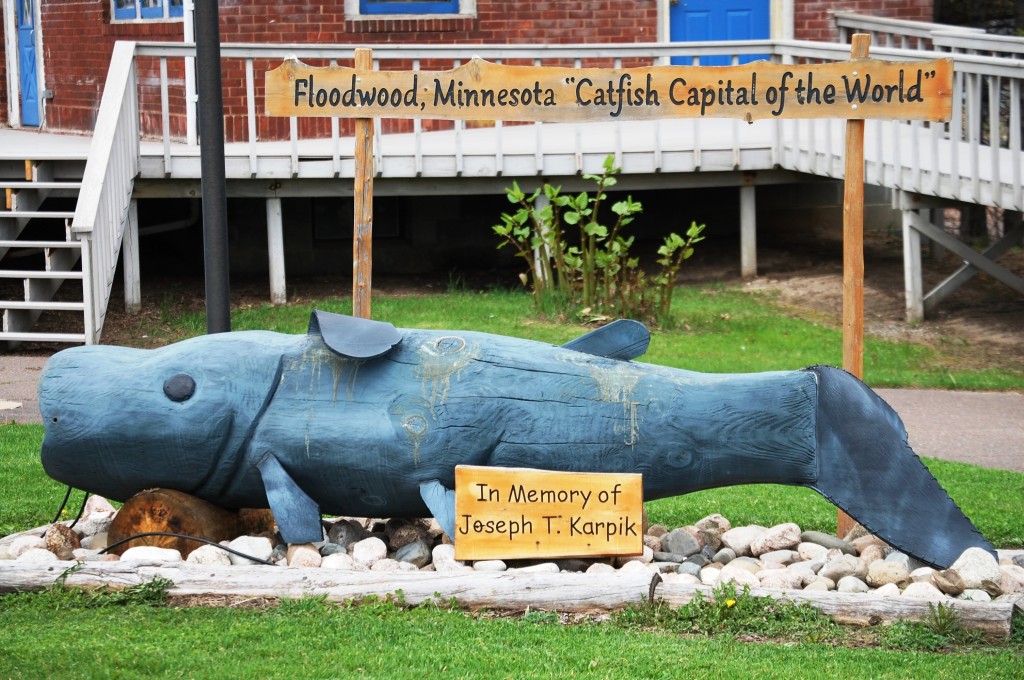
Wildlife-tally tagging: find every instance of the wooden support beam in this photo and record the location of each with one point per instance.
(275, 251)
(748, 232)
(978, 260)
(967, 272)
(28, 171)
(853, 249)
(8, 198)
(362, 237)
(130, 261)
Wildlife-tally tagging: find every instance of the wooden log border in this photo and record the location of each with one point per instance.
(505, 591)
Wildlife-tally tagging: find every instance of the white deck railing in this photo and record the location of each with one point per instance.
(976, 157)
(106, 192)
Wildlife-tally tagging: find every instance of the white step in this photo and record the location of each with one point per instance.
(45, 305)
(36, 214)
(40, 244)
(29, 184)
(42, 337)
(33, 274)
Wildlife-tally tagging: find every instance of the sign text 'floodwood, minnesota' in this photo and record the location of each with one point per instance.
(485, 91)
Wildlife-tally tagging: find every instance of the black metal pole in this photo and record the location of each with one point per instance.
(211, 148)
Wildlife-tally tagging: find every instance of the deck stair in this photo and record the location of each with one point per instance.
(38, 252)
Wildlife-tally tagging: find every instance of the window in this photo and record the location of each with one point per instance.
(133, 10)
(408, 6)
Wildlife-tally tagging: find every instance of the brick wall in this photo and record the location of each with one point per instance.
(813, 19)
(79, 37)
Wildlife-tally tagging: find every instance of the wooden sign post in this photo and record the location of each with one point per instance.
(362, 223)
(853, 250)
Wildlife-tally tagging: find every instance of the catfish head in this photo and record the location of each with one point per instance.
(119, 420)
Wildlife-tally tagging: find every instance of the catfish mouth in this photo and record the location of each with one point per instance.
(115, 436)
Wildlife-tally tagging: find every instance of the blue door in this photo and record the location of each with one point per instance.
(699, 20)
(27, 62)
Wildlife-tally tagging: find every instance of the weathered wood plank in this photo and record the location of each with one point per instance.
(509, 591)
(505, 591)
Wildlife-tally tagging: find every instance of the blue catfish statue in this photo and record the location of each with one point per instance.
(360, 418)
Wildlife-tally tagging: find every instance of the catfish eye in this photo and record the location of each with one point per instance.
(179, 387)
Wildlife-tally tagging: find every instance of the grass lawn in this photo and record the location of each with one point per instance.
(77, 634)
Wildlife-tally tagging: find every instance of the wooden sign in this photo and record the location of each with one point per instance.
(481, 90)
(507, 513)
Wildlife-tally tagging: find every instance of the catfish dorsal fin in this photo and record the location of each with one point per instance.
(352, 337)
(624, 339)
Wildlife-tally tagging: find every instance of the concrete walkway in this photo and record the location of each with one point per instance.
(982, 428)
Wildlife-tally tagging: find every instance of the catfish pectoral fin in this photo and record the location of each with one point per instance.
(441, 502)
(297, 515)
(867, 468)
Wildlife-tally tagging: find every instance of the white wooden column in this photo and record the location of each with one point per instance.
(748, 232)
(275, 251)
(130, 261)
(912, 283)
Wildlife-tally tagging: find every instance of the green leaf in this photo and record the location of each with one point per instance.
(571, 217)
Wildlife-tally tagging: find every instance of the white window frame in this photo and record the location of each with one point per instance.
(467, 8)
(140, 18)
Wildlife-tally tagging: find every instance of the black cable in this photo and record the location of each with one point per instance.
(63, 505)
(189, 538)
(80, 511)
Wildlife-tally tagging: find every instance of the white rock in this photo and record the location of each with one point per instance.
(337, 561)
(745, 563)
(97, 541)
(150, 553)
(781, 579)
(652, 542)
(818, 586)
(922, 575)
(881, 572)
(683, 579)
(738, 539)
(407, 566)
(209, 554)
(259, 547)
(978, 569)
(444, 558)
(25, 543)
(1013, 578)
(600, 568)
(740, 577)
(634, 567)
(888, 590)
(369, 550)
(95, 523)
(386, 564)
(975, 595)
(827, 582)
(36, 556)
(549, 568)
(304, 555)
(851, 584)
(803, 570)
(779, 537)
(709, 576)
(96, 504)
(811, 551)
(499, 565)
(783, 557)
(85, 555)
(5, 553)
(645, 557)
(923, 590)
(843, 565)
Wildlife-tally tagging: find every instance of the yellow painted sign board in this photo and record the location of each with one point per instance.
(510, 513)
(481, 90)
